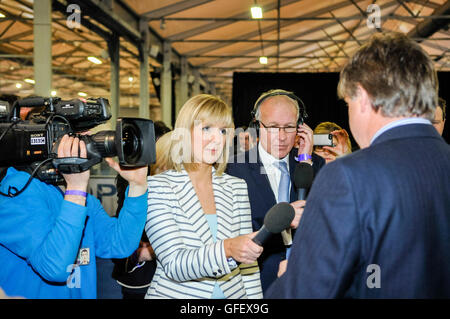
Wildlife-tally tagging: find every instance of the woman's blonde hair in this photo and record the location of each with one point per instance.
(208, 110)
(162, 154)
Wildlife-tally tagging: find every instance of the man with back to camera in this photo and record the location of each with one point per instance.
(377, 221)
(49, 240)
(276, 115)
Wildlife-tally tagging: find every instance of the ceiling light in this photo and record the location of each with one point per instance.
(263, 60)
(256, 12)
(82, 94)
(18, 85)
(130, 79)
(30, 81)
(94, 60)
(2, 15)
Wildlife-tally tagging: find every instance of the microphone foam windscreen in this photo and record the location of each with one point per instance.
(303, 175)
(279, 217)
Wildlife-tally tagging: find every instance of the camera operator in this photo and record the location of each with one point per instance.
(49, 240)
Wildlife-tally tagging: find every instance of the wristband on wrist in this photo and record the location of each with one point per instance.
(76, 193)
(303, 157)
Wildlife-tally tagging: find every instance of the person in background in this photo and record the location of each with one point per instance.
(199, 221)
(440, 116)
(341, 141)
(245, 140)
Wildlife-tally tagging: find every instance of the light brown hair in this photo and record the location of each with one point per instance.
(397, 74)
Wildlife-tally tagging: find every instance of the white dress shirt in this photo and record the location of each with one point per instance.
(270, 164)
(271, 168)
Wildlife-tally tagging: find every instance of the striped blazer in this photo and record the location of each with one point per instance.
(189, 262)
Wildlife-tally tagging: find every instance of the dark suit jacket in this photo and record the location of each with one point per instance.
(377, 223)
(261, 200)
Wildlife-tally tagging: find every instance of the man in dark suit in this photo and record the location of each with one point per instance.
(276, 114)
(377, 222)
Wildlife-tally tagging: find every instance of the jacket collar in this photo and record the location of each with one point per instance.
(407, 131)
(190, 205)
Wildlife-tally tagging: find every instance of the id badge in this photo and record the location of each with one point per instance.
(83, 257)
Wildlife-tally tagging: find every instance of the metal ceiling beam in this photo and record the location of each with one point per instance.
(347, 30)
(173, 8)
(307, 18)
(406, 8)
(114, 15)
(427, 28)
(57, 6)
(292, 40)
(304, 33)
(7, 28)
(426, 3)
(219, 24)
(257, 56)
(271, 28)
(118, 17)
(17, 36)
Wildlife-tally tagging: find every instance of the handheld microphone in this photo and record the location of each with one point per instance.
(278, 218)
(303, 177)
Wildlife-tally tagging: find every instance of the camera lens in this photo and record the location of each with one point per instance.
(131, 143)
(102, 144)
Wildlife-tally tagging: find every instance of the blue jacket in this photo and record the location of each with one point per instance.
(376, 223)
(41, 234)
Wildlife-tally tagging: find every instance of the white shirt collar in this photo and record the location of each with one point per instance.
(269, 160)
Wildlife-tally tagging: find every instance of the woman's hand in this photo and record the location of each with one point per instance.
(243, 249)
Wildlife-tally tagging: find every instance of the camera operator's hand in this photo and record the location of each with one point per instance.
(136, 177)
(73, 147)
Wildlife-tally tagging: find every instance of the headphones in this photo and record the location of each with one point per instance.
(302, 115)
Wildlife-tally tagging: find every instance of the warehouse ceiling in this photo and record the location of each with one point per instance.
(216, 38)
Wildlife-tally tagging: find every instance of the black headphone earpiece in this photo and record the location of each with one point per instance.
(254, 123)
(302, 115)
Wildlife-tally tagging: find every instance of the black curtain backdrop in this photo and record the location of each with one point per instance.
(318, 91)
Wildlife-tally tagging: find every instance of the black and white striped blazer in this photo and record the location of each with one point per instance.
(189, 262)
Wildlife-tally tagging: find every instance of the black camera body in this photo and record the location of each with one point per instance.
(29, 143)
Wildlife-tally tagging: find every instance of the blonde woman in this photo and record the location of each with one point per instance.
(199, 221)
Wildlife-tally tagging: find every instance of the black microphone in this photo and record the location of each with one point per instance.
(303, 177)
(278, 218)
